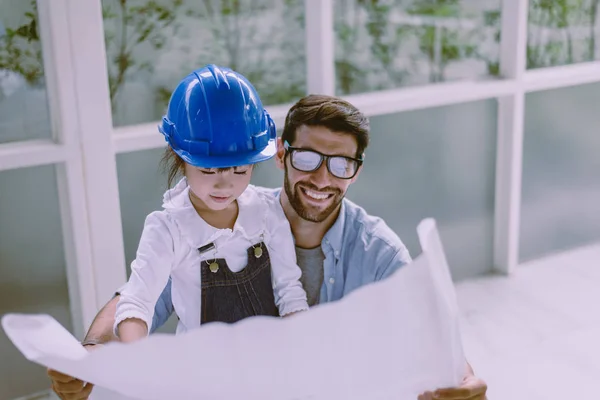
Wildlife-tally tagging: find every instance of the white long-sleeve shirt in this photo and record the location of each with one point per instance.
(169, 247)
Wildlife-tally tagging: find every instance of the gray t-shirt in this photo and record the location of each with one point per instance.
(310, 262)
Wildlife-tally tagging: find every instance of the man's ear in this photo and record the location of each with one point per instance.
(280, 155)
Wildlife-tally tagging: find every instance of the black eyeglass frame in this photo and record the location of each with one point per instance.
(289, 150)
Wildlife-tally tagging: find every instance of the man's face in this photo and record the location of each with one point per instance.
(316, 195)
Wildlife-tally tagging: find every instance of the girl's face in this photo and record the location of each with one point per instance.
(217, 188)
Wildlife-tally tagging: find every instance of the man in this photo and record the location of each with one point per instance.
(339, 246)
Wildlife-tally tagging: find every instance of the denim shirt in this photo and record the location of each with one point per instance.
(359, 249)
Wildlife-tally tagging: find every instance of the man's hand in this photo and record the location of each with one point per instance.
(68, 388)
(471, 388)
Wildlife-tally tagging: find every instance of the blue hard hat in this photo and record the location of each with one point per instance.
(215, 119)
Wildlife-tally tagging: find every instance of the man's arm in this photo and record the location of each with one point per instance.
(101, 332)
(387, 267)
(163, 309)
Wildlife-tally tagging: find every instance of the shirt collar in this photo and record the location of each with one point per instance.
(196, 231)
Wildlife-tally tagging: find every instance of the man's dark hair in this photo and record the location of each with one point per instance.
(330, 112)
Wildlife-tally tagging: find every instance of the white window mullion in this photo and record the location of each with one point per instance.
(320, 46)
(78, 255)
(69, 172)
(30, 153)
(61, 97)
(509, 152)
(562, 76)
(88, 54)
(88, 179)
(436, 95)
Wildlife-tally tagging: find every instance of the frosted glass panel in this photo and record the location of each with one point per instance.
(32, 267)
(267, 174)
(141, 188)
(436, 163)
(561, 171)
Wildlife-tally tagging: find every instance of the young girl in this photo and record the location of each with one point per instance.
(228, 249)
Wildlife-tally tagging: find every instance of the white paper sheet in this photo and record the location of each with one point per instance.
(389, 340)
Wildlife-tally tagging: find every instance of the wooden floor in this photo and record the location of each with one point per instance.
(536, 334)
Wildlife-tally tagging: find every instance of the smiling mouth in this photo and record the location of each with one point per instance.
(316, 195)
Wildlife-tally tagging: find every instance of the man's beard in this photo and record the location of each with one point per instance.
(308, 213)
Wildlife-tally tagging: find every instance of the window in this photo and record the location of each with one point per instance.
(32, 266)
(561, 171)
(150, 47)
(388, 44)
(438, 163)
(562, 32)
(23, 101)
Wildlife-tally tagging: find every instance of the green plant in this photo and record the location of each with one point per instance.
(561, 16)
(349, 74)
(492, 20)
(163, 95)
(242, 38)
(386, 40)
(228, 21)
(438, 40)
(21, 50)
(441, 45)
(137, 23)
(593, 20)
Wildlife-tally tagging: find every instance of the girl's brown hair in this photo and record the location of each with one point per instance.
(172, 165)
(330, 112)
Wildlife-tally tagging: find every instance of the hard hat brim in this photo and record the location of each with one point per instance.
(214, 161)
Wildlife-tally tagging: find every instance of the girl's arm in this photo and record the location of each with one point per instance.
(132, 329)
(290, 296)
(150, 273)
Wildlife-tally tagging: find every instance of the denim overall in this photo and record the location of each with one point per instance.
(230, 297)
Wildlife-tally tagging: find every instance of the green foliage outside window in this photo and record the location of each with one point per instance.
(560, 32)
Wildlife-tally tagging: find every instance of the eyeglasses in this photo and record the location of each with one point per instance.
(310, 160)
